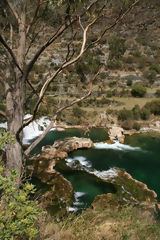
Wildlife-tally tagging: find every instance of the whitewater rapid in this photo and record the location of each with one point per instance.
(116, 146)
(34, 129)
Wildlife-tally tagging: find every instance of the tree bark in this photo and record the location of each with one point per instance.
(15, 98)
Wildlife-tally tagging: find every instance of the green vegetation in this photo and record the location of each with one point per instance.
(138, 90)
(106, 223)
(117, 48)
(18, 214)
(153, 107)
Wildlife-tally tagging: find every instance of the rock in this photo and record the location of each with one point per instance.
(60, 196)
(116, 133)
(42, 167)
(128, 192)
(72, 143)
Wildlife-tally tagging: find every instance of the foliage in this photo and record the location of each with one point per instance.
(17, 212)
(109, 93)
(136, 126)
(127, 124)
(136, 112)
(153, 107)
(145, 113)
(116, 48)
(78, 112)
(129, 82)
(138, 90)
(125, 114)
(6, 138)
(157, 93)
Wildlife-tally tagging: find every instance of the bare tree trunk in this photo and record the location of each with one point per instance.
(15, 97)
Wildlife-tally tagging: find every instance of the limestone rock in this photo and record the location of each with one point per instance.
(72, 143)
(116, 133)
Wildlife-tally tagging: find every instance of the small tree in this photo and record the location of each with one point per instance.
(138, 90)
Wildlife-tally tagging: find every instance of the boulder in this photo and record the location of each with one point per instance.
(116, 133)
(72, 143)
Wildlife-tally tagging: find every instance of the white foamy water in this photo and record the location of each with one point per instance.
(115, 146)
(106, 175)
(3, 125)
(77, 203)
(82, 160)
(34, 129)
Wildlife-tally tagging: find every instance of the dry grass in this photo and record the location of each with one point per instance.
(129, 223)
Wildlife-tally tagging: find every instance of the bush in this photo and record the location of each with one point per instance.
(17, 213)
(78, 112)
(127, 125)
(153, 106)
(129, 82)
(155, 67)
(145, 113)
(125, 114)
(136, 112)
(136, 126)
(138, 90)
(116, 48)
(157, 93)
(109, 94)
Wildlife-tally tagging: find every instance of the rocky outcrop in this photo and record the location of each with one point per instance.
(72, 143)
(128, 191)
(42, 166)
(116, 133)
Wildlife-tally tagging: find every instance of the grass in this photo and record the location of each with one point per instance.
(127, 223)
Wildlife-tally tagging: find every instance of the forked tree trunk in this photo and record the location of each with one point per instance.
(15, 96)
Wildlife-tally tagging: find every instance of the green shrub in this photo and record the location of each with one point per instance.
(17, 212)
(157, 93)
(78, 112)
(129, 82)
(153, 106)
(136, 126)
(145, 113)
(136, 112)
(127, 124)
(112, 84)
(109, 94)
(155, 67)
(138, 90)
(116, 48)
(150, 75)
(125, 114)
(114, 64)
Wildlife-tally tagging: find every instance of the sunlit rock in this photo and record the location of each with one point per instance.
(116, 133)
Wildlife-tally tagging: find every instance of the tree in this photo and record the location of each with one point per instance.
(138, 90)
(22, 26)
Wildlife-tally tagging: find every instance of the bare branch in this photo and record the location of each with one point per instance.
(13, 9)
(58, 33)
(51, 125)
(4, 43)
(34, 17)
(118, 19)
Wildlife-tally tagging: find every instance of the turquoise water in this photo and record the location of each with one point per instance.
(142, 161)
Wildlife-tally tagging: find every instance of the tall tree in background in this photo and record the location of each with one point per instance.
(21, 26)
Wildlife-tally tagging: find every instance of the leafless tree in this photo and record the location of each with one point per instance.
(21, 24)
